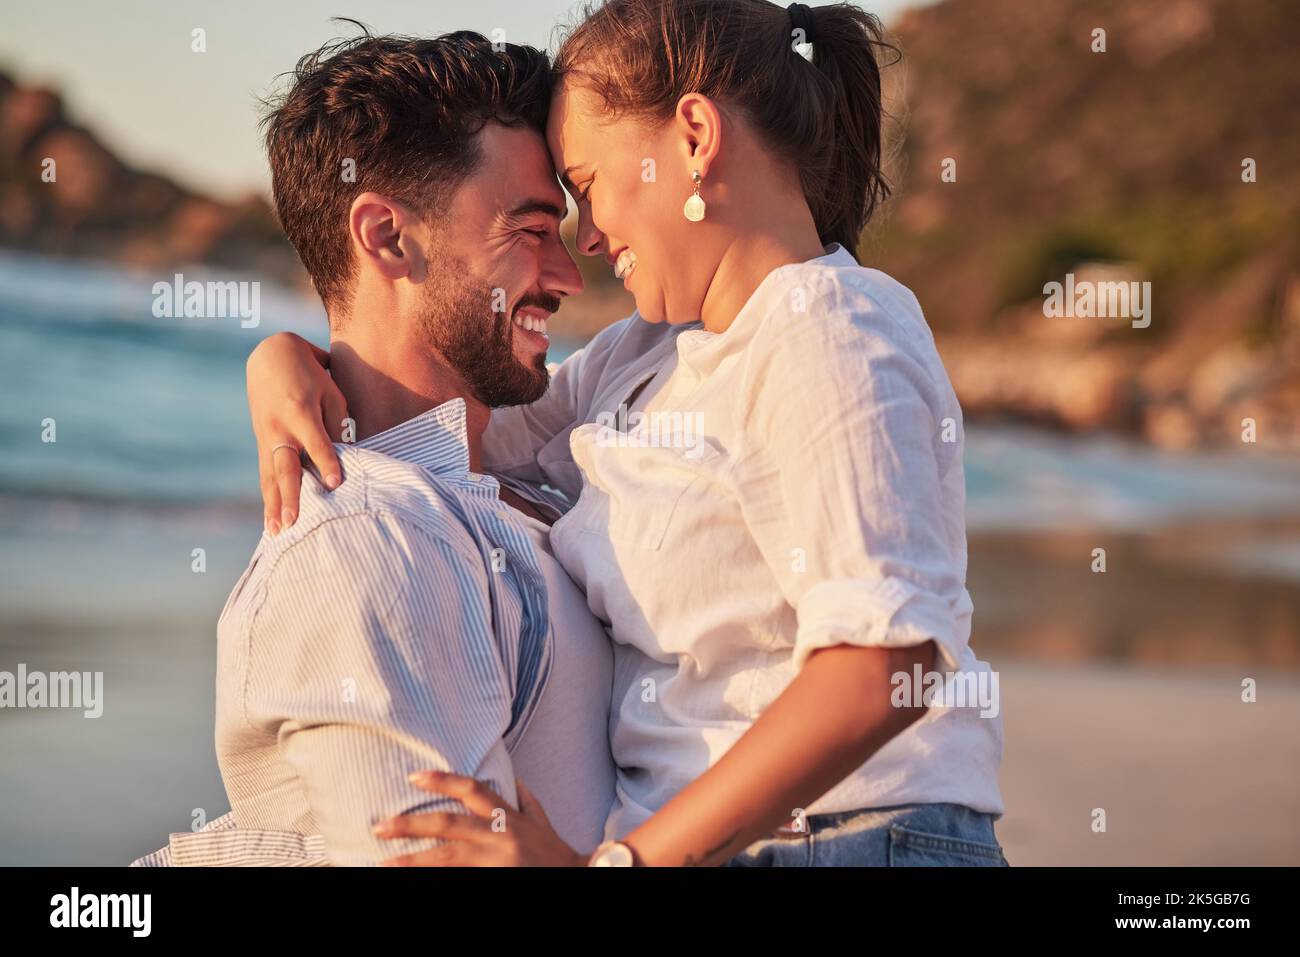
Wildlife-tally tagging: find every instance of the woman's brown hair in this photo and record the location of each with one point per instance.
(641, 56)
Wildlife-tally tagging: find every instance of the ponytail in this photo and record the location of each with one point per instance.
(845, 40)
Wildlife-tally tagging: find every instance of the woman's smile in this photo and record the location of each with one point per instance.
(624, 266)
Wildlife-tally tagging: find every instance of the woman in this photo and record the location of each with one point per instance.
(778, 546)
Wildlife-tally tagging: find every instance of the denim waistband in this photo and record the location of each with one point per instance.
(872, 817)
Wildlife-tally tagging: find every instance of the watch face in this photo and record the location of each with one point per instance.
(612, 854)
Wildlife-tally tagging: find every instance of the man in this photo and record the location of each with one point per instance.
(411, 619)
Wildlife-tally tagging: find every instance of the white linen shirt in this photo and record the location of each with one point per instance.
(795, 483)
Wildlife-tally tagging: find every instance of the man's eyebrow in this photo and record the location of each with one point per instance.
(530, 206)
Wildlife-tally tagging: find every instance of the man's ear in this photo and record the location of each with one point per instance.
(385, 234)
(699, 124)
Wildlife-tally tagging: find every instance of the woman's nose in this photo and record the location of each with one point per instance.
(589, 238)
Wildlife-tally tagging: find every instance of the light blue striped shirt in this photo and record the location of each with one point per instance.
(399, 625)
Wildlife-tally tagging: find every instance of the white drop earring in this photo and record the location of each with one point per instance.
(694, 208)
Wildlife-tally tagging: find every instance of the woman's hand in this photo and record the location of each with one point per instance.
(293, 402)
(527, 839)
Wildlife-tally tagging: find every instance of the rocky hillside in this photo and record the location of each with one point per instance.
(1123, 164)
(95, 206)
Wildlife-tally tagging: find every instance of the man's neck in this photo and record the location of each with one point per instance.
(387, 382)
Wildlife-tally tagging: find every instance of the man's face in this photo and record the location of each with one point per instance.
(498, 269)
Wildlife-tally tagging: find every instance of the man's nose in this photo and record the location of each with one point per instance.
(560, 273)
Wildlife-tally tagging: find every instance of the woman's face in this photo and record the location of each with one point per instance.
(629, 182)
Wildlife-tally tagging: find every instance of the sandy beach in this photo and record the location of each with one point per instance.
(1187, 773)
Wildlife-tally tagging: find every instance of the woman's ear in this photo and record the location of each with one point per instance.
(699, 124)
(384, 237)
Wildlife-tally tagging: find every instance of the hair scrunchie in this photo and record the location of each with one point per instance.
(801, 18)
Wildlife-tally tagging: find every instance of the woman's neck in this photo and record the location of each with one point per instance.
(748, 260)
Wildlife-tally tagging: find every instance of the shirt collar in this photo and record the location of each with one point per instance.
(836, 255)
(694, 339)
(436, 440)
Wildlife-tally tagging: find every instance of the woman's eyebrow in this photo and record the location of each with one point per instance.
(566, 177)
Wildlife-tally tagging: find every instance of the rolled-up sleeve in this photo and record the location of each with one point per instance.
(373, 656)
(848, 487)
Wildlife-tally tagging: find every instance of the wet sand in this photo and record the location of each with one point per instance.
(1123, 691)
(1206, 594)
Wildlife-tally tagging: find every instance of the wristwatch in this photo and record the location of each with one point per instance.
(612, 854)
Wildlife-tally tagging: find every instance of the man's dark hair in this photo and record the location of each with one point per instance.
(405, 112)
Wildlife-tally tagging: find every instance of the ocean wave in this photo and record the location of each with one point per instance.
(152, 412)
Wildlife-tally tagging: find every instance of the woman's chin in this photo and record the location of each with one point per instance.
(655, 312)
(650, 312)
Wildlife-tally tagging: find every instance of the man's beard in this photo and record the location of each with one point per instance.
(458, 321)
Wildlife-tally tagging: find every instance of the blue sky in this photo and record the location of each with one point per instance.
(126, 70)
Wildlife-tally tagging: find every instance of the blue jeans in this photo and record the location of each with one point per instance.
(913, 835)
